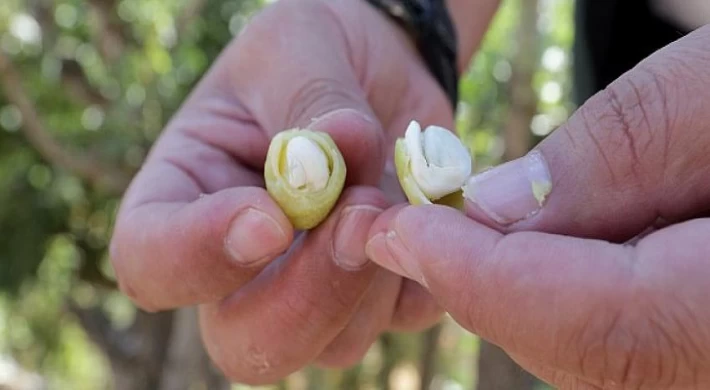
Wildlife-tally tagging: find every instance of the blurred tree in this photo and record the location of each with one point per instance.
(72, 72)
(497, 370)
(521, 96)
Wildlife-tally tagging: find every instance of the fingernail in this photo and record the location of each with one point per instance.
(253, 237)
(387, 250)
(513, 191)
(350, 234)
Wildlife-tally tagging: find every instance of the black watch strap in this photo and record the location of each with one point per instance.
(429, 24)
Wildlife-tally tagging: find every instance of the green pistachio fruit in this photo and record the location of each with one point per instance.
(305, 174)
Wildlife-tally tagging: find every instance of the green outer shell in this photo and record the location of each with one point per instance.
(305, 209)
(404, 174)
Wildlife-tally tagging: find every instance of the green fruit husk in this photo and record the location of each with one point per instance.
(305, 209)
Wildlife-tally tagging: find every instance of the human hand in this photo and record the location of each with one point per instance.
(606, 284)
(196, 226)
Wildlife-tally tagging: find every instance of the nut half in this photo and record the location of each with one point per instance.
(432, 165)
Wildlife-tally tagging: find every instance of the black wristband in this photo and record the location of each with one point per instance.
(429, 24)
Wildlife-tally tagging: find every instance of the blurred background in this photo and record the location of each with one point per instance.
(86, 87)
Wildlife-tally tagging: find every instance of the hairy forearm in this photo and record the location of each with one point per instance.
(472, 19)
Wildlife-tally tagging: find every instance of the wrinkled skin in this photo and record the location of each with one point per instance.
(273, 300)
(608, 285)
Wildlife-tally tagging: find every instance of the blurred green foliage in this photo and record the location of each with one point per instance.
(104, 76)
(483, 90)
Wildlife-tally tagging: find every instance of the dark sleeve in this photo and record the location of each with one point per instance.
(611, 37)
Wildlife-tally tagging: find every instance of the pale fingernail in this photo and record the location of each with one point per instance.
(387, 250)
(513, 191)
(253, 237)
(351, 235)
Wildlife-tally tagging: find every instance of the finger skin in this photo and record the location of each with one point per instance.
(168, 248)
(461, 263)
(559, 379)
(391, 304)
(161, 228)
(632, 153)
(607, 314)
(416, 311)
(168, 255)
(157, 267)
(371, 319)
(173, 220)
(287, 316)
(361, 141)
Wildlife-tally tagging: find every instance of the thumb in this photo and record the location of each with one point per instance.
(536, 295)
(288, 70)
(632, 154)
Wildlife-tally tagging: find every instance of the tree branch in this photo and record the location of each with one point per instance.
(429, 356)
(89, 169)
(137, 354)
(523, 101)
(106, 33)
(73, 77)
(192, 10)
(100, 330)
(77, 85)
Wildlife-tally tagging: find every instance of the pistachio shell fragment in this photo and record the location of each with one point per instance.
(432, 166)
(304, 174)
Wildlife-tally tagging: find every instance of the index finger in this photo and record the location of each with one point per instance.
(535, 294)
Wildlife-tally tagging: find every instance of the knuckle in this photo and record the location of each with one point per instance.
(629, 123)
(628, 117)
(286, 17)
(631, 349)
(624, 355)
(254, 368)
(586, 125)
(603, 348)
(325, 80)
(240, 353)
(318, 96)
(299, 307)
(680, 338)
(316, 309)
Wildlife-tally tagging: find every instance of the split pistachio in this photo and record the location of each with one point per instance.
(432, 165)
(305, 174)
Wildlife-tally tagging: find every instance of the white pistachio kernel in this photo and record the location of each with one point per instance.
(439, 162)
(306, 165)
